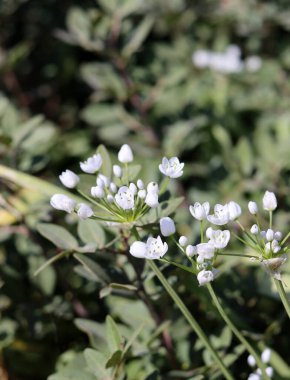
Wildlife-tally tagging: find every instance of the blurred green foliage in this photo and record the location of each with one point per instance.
(75, 74)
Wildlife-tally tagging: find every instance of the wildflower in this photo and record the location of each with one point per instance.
(92, 164)
(199, 211)
(151, 200)
(69, 179)
(253, 208)
(152, 187)
(234, 210)
(269, 201)
(117, 170)
(269, 234)
(125, 198)
(220, 216)
(152, 249)
(183, 241)
(167, 226)
(142, 194)
(257, 375)
(62, 202)
(171, 168)
(205, 276)
(125, 154)
(220, 239)
(205, 251)
(140, 184)
(84, 211)
(106, 180)
(254, 229)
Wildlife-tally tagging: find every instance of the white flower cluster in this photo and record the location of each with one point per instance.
(222, 215)
(228, 62)
(257, 375)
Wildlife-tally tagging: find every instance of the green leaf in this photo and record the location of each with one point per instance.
(113, 335)
(114, 359)
(78, 24)
(100, 114)
(93, 268)
(113, 286)
(106, 168)
(96, 362)
(57, 235)
(91, 232)
(94, 330)
(133, 171)
(139, 35)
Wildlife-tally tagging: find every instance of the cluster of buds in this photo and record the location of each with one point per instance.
(265, 357)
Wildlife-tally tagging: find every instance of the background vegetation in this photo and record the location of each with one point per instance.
(76, 74)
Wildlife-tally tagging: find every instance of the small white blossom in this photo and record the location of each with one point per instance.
(84, 211)
(151, 200)
(152, 249)
(266, 354)
(142, 194)
(92, 164)
(269, 201)
(220, 239)
(140, 184)
(183, 241)
(269, 235)
(199, 211)
(253, 208)
(263, 234)
(205, 276)
(97, 192)
(125, 154)
(100, 182)
(251, 361)
(190, 250)
(62, 202)
(254, 229)
(69, 179)
(167, 226)
(117, 170)
(220, 216)
(152, 187)
(275, 246)
(234, 210)
(205, 251)
(133, 188)
(171, 168)
(125, 198)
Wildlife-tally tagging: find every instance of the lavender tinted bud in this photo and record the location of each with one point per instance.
(190, 250)
(269, 235)
(117, 170)
(140, 184)
(133, 188)
(142, 194)
(97, 192)
(253, 208)
(183, 241)
(254, 229)
(113, 187)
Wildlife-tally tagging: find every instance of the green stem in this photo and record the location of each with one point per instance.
(237, 333)
(191, 320)
(238, 254)
(271, 218)
(283, 295)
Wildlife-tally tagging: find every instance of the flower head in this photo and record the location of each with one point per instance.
(92, 164)
(125, 198)
(152, 249)
(199, 211)
(69, 179)
(220, 216)
(269, 201)
(125, 154)
(205, 276)
(62, 202)
(171, 168)
(205, 251)
(220, 239)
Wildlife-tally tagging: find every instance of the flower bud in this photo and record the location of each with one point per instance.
(105, 179)
(190, 250)
(100, 182)
(110, 198)
(84, 211)
(254, 229)
(142, 194)
(133, 188)
(97, 192)
(234, 210)
(125, 154)
(153, 187)
(251, 361)
(117, 170)
(183, 241)
(269, 235)
(266, 355)
(205, 276)
(278, 235)
(69, 179)
(140, 184)
(253, 208)
(113, 187)
(152, 200)
(269, 201)
(63, 203)
(209, 232)
(167, 226)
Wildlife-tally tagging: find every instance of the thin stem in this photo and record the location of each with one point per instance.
(201, 232)
(285, 239)
(237, 333)
(238, 254)
(283, 295)
(271, 218)
(191, 320)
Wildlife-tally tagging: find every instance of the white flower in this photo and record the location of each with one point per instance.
(84, 211)
(63, 202)
(92, 164)
(125, 198)
(253, 208)
(201, 58)
(199, 211)
(205, 251)
(117, 170)
(278, 235)
(266, 354)
(205, 276)
(167, 226)
(208, 232)
(183, 241)
(152, 249)
(220, 239)
(151, 200)
(221, 215)
(190, 250)
(69, 179)
(152, 187)
(234, 210)
(269, 201)
(171, 168)
(254, 229)
(253, 63)
(251, 361)
(97, 192)
(270, 235)
(140, 184)
(125, 154)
